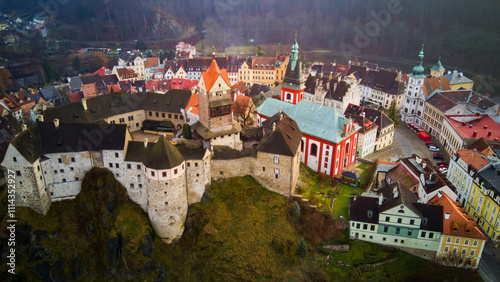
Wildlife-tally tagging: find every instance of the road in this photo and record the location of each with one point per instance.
(489, 266)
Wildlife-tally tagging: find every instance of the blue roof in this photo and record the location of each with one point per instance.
(314, 120)
(50, 93)
(457, 78)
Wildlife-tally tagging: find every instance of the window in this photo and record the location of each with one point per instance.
(358, 225)
(131, 185)
(61, 170)
(64, 180)
(59, 160)
(314, 150)
(466, 242)
(455, 250)
(117, 165)
(138, 166)
(464, 251)
(263, 169)
(72, 160)
(196, 164)
(387, 218)
(457, 241)
(402, 241)
(474, 244)
(372, 228)
(55, 171)
(18, 172)
(175, 171)
(384, 239)
(169, 115)
(386, 229)
(162, 115)
(365, 226)
(431, 235)
(472, 252)
(446, 249)
(140, 185)
(398, 230)
(448, 240)
(164, 174)
(15, 159)
(412, 221)
(423, 235)
(400, 220)
(110, 165)
(410, 232)
(72, 169)
(77, 179)
(153, 173)
(157, 114)
(276, 160)
(129, 166)
(395, 240)
(116, 155)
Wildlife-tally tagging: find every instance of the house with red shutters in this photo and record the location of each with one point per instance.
(329, 139)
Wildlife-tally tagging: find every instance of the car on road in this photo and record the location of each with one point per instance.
(443, 165)
(437, 156)
(443, 170)
(433, 149)
(430, 143)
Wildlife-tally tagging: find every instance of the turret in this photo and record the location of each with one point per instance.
(292, 88)
(418, 70)
(438, 69)
(164, 167)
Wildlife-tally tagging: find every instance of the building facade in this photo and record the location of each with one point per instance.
(414, 97)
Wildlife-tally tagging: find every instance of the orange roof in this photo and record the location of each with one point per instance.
(126, 73)
(434, 83)
(192, 105)
(473, 158)
(115, 87)
(212, 73)
(459, 223)
(153, 62)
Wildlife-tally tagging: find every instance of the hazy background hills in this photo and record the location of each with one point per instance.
(464, 33)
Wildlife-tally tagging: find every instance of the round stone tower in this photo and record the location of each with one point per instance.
(165, 168)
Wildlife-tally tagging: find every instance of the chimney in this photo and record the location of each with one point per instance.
(84, 103)
(24, 127)
(447, 215)
(363, 114)
(145, 143)
(485, 126)
(489, 132)
(474, 134)
(274, 126)
(440, 195)
(56, 123)
(380, 199)
(463, 123)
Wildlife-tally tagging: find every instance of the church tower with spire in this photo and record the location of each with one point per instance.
(414, 100)
(292, 88)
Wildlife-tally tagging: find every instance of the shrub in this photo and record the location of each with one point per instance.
(302, 248)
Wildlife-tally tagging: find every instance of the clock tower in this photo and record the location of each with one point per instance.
(292, 88)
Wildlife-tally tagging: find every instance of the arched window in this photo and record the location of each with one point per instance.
(347, 148)
(289, 96)
(302, 145)
(314, 150)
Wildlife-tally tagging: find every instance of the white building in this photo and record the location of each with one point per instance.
(414, 98)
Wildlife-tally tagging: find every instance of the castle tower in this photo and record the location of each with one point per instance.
(438, 69)
(164, 167)
(216, 125)
(292, 88)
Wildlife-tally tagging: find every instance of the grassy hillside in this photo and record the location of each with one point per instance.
(242, 232)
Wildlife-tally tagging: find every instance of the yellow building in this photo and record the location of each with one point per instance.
(484, 201)
(268, 71)
(462, 242)
(458, 80)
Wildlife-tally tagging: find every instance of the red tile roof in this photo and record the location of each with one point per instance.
(126, 73)
(102, 71)
(212, 73)
(152, 62)
(434, 83)
(458, 223)
(115, 87)
(475, 126)
(473, 158)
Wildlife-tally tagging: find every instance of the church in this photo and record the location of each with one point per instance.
(329, 139)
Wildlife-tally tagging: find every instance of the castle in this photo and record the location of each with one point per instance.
(50, 158)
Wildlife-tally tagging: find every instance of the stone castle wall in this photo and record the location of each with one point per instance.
(198, 177)
(225, 168)
(274, 173)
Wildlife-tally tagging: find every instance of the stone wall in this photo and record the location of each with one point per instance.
(167, 207)
(230, 140)
(132, 119)
(197, 177)
(274, 172)
(222, 168)
(220, 121)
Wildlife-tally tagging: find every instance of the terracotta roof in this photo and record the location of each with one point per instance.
(126, 73)
(459, 223)
(435, 83)
(75, 96)
(242, 101)
(241, 87)
(473, 158)
(102, 71)
(192, 106)
(484, 147)
(475, 126)
(211, 75)
(153, 62)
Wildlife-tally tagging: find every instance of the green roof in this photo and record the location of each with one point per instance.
(314, 120)
(438, 67)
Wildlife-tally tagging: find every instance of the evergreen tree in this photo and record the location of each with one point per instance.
(301, 249)
(162, 57)
(393, 112)
(186, 131)
(260, 51)
(296, 208)
(141, 45)
(76, 64)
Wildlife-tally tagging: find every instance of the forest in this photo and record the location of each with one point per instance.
(463, 33)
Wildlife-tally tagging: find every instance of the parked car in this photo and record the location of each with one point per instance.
(443, 170)
(439, 163)
(437, 156)
(443, 166)
(433, 149)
